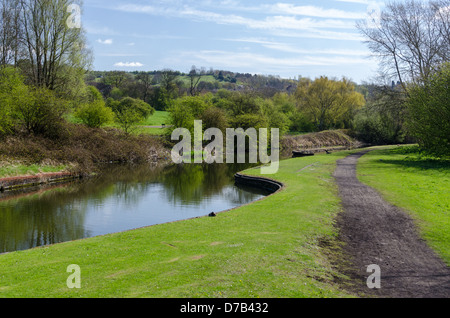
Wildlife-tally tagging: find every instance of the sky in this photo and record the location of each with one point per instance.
(283, 38)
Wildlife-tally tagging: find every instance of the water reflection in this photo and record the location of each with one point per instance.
(118, 199)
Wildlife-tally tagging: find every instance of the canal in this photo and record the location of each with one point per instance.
(120, 198)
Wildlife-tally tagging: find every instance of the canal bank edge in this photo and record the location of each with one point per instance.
(14, 183)
(269, 185)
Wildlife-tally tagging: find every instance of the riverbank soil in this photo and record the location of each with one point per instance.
(375, 232)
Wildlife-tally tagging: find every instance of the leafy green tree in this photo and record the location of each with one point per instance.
(214, 117)
(129, 112)
(13, 92)
(382, 119)
(42, 113)
(94, 113)
(328, 102)
(429, 112)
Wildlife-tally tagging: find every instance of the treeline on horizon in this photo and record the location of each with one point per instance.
(44, 81)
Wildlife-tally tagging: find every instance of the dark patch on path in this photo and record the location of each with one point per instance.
(375, 232)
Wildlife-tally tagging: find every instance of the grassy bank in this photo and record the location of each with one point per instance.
(80, 148)
(276, 247)
(417, 184)
(13, 169)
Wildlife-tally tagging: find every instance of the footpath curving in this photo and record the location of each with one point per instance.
(378, 233)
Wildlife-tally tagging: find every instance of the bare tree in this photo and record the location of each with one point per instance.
(10, 32)
(53, 47)
(442, 9)
(410, 38)
(195, 75)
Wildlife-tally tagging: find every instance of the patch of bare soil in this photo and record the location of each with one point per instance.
(376, 232)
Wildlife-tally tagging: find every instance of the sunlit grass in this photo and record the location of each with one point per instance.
(270, 248)
(8, 169)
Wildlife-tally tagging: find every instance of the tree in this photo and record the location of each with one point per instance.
(382, 120)
(129, 112)
(13, 92)
(10, 32)
(117, 79)
(54, 50)
(94, 113)
(410, 38)
(42, 113)
(195, 76)
(328, 102)
(168, 79)
(429, 112)
(145, 80)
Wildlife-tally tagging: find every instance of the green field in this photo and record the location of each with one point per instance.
(157, 119)
(417, 184)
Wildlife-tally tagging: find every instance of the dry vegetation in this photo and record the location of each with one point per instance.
(83, 148)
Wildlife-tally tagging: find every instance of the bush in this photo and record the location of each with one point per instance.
(129, 112)
(94, 114)
(429, 112)
(214, 117)
(42, 113)
(372, 129)
(13, 92)
(300, 123)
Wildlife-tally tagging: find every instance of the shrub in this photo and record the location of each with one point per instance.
(13, 92)
(129, 112)
(42, 113)
(215, 117)
(429, 112)
(94, 114)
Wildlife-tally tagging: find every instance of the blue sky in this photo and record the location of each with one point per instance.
(285, 38)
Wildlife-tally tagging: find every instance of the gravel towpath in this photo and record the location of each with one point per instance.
(378, 233)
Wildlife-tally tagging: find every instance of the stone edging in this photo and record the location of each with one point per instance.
(259, 182)
(12, 183)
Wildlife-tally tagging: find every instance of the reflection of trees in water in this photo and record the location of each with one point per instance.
(193, 183)
(59, 214)
(40, 219)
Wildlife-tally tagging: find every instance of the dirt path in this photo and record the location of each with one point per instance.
(376, 232)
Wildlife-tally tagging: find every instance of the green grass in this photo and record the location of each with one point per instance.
(417, 184)
(157, 119)
(16, 169)
(270, 248)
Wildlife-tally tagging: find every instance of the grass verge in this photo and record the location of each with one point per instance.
(275, 247)
(417, 184)
(8, 169)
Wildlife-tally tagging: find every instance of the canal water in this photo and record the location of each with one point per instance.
(118, 199)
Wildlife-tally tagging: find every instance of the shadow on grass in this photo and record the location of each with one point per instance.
(415, 158)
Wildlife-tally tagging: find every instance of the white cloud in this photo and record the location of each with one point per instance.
(255, 60)
(288, 48)
(106, 42)
(313, 11)
(334, 18)
(129, 64)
